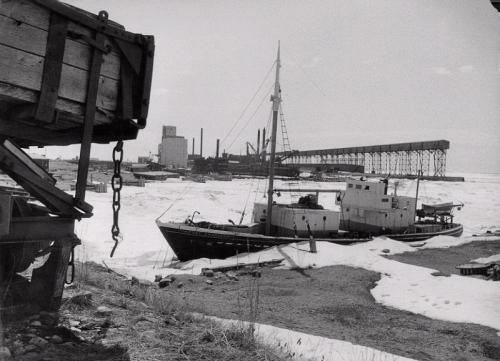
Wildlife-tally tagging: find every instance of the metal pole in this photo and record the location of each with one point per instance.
(276, 99)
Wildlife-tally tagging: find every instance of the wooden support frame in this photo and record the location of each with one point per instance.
(47, 283)
(52, 69)
(90, 110)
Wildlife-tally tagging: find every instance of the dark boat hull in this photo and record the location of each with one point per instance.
(191, 242)
(453, 230)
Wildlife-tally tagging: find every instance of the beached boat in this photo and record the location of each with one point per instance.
(366, 210)
(197, 178)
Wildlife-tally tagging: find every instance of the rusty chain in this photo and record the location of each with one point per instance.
(116, 185)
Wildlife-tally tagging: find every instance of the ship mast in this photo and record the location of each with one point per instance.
(276, 99)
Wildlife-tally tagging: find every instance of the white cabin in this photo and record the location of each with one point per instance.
(289, 220)
(366, 207)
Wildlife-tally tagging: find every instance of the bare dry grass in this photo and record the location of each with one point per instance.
(144, 323)
(176, 333)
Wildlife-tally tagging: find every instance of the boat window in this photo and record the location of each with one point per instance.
(367, 188)
(350, 185)
(385, 200)
(358, 186)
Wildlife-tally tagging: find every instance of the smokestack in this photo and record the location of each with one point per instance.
(217, 149)
(258, 144)
(248, 153)
(193, 148)
(201, 143)
(263, 144)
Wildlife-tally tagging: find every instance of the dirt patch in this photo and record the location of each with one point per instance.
(336, 302)
(447, 259)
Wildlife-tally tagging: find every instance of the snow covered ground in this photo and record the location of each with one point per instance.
(144, 252)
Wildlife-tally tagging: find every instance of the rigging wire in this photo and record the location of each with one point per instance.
(266, 141)
(249, 119)
(265, 145)
(184, 191)
(246, 202)
(308, 77)
(249, 103)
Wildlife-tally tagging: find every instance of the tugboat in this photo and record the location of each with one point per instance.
(365, 211)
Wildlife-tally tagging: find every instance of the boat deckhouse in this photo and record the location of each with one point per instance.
(366, 207)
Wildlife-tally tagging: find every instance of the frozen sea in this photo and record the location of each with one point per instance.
(144, 247)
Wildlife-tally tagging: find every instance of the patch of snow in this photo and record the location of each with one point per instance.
(305, 347)
(490, 259)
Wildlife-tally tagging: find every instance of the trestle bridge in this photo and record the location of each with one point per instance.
(402, 159)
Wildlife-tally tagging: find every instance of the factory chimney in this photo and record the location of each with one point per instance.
(193, 147)
(201, 143)
(263, 144)
(258, 145)
(217, 149)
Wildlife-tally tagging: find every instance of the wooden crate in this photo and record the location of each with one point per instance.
(46, 54)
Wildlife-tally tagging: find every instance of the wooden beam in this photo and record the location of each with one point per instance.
(56, 41)
(25, 70)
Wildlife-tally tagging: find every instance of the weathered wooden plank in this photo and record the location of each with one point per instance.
(51, 77)
(24, 27)
(12, 96)
(270, 263)
(34, 40)
(25, 70)
(26, 12)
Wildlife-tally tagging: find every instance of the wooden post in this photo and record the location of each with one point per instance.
(47, 283)
(312, 241)
(312, 245)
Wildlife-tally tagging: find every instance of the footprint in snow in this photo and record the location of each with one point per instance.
(446, 302)
(457, 303)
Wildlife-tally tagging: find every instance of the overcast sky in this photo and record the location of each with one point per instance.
(355, 72)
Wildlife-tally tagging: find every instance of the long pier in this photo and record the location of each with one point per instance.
(396, 159)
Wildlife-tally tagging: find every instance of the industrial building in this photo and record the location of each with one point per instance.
(172, 150)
